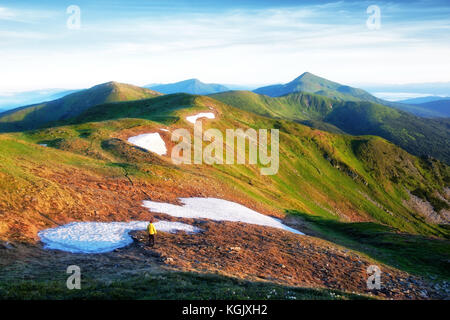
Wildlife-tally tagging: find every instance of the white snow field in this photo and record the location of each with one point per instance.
(151, 142)
(193, 119)
(216, 209)
(100, 237)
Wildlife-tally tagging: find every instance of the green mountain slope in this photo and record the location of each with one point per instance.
(416, 135)
(160, 109)
(422, 137)
(296, 106)
(353, 191)
(311, 83)
(320, 173)
(38, 115)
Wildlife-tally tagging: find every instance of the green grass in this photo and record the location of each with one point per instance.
(160, 109)
(330, 178)
(165, 286)
(46, 113)
(414, 254)
(296, 106)
(311, 83)
(318, 172)
(416, 135)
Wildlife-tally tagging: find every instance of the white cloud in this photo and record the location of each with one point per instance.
(26, 16)
(244, 46)
(6, 14)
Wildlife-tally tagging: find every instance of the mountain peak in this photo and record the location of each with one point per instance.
(308, 76)
(72, 105)
(192, 81)
(109, 84)
(191, 86)
(308, 82)
(114, 86)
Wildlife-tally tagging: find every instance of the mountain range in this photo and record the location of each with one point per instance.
(191, 86)
(346, 112)
(308, 82)
(433, 106)
(349, 178)
(331, 107)
(421, 100)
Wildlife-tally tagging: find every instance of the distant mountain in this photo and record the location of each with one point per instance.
(423, 99)
(39, 115)
(311, 83)
(240, 87)
(16, 99)
(191, 86)
(439, 106)
(433, 109)
(416, 135)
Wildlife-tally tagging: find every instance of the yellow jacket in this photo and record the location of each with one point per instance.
(151, 228)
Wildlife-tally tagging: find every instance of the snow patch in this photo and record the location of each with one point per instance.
(216, 209)
(193, 119)
(100, 237)
(151, 142)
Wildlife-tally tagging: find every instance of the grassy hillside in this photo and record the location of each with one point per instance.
(423, 137)
(89, 171)
(416, 135)
(320, 173)
(296, 106)
(311, 83)
(39, 115)
(161, 109)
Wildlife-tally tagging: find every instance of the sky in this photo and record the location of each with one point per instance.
(233, 42)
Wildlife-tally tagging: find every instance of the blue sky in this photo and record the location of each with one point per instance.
(246, 42)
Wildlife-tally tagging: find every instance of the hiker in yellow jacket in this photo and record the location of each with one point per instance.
(151, 233)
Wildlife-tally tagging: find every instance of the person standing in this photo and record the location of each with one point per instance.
(151, 233)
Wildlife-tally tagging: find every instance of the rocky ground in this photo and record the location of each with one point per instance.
(236, 250)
